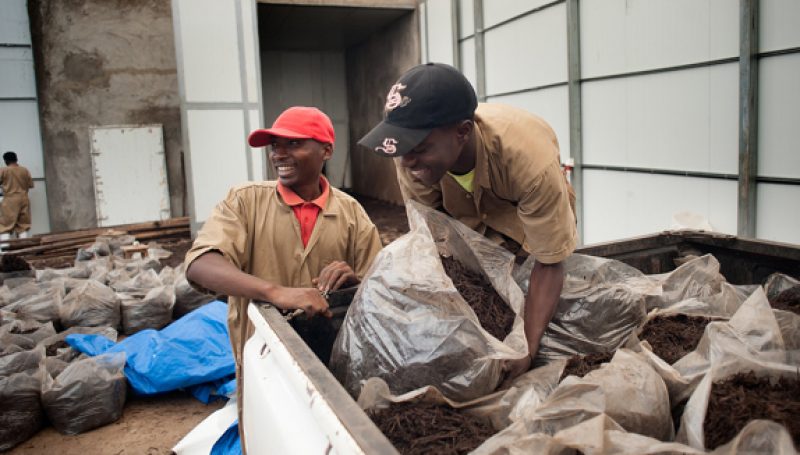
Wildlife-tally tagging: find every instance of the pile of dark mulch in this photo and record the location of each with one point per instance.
(390, 219)
(11, 263)
(493, 312)
(58, 262)
(581, 365)
(674, 336)
(52, 349)
(178, 250)
(744, 397)
(426, 428)
(788, 300)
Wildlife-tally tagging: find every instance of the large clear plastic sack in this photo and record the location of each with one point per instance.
(92, 304)
(98, 249)
(135, 265)
(187, 298)
(43, 305)
(777, 283)
(595, 436)
(55, 346)
(116, 242)
(25, 333)
(626, 390)
(757, 437)
(409, 325)
(98, 268)
(153, 311)
(602, 302)
(21, 413)
(752, 331)
(168, 275)
(17, 279)
(88, 394)
(141, 282)
(692, 429)
(79, 271)
(698, 278)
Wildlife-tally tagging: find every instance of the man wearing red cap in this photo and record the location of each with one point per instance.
(284, 241)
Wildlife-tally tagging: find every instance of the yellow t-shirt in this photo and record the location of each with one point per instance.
(465, 180)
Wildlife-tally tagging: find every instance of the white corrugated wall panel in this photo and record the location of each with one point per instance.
(495, 12)
(16, 73)
(552, 104)
(682, 120)
(14, 22)
(528, 52)
(779, 22)
(779, 116)
(209, 49)
(439, 37)
(619, 36)
(250, 35)
(19, 132)
(216, 137)
(467, 50)
(40, 217)
(260, 160)
(777, 216)
(625, 204)
(466, 18)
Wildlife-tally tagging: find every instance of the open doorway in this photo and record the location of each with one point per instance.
(340, 59)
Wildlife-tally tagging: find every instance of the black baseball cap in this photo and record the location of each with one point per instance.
(425, 97)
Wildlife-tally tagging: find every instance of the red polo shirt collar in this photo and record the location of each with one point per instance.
(306, 212)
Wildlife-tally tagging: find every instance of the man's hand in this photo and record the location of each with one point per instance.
(335, 275)
(513, 369)
(306, 299)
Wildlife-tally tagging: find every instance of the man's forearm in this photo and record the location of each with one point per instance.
(541, 302)
(215, 273)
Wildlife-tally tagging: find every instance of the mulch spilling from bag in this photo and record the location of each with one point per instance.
(52, 349)
(426, 428)
(493, 313)
(11, 263)
(788, 300)
(581, 365)
(745, 397)
(674, 336)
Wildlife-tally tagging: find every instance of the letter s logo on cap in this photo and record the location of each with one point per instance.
(388, 146)
(395, 99)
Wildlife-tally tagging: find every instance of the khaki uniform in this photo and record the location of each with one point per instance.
(259, 233)
(15, 212)
(519, 192)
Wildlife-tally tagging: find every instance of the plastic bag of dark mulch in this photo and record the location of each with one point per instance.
(154, 311)
(168, 275)
(80, 272)
(21, 413)
(421, 329)
(187, 298)
(55, 346)
(136, 265)
(88, 394)
(602, 302)
(777, 283)
(97, 249)
(42, 306)
(91, 305)
(141, 282)
(25, 333)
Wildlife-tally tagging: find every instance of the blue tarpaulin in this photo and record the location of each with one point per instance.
(193, 350)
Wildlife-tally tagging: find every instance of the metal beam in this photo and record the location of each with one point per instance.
(575, 103)
(456, 29)
(748, 117)
(480, 53)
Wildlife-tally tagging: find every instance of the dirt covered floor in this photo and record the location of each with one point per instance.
(149, 425)
(390, 219)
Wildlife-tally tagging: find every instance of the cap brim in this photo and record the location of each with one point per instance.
(391, 140)
(262, 137)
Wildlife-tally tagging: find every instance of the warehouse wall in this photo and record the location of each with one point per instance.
(372, 67)
(656, 112)
(101, 62)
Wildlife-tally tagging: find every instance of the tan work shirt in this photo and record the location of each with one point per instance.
(15, 180)
(258, 232)
(519, 189)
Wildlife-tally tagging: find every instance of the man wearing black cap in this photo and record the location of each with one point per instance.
(493, 167)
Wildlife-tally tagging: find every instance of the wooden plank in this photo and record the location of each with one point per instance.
(748, 117)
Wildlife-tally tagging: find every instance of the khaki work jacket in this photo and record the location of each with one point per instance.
(519, 189)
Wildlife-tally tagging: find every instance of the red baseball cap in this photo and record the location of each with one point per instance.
(297, 122)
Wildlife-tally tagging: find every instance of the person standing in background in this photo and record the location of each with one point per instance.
(15, 211)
